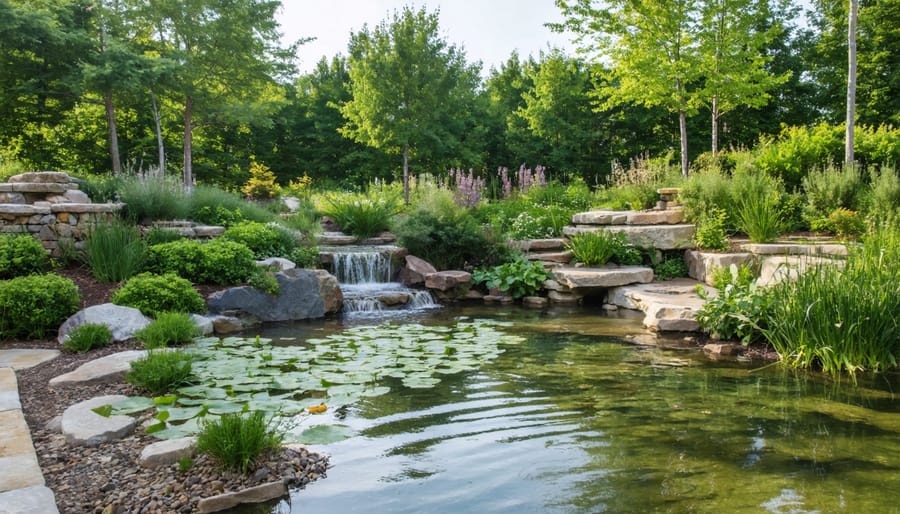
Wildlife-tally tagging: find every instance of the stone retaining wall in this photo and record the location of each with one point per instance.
(49, 206)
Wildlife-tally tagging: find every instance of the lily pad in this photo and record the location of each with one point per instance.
(325, 434)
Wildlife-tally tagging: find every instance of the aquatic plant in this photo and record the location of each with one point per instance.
(237, 440)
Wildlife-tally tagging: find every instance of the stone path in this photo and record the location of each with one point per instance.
(22, 489)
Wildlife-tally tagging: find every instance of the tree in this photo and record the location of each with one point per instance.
(851, 80)
(411, 90)
(650, 50)
(733, 36)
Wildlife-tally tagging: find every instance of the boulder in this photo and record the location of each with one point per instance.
(104, 369)
(448, 280)
(167, 452)
(300, 297)
(223, 325)
(84, 427)
(259, 494)
(777, 268)
(204, 324)
(535, 301)
(667, 306)
(702, 265)
(279, 263)
(330, 291)
(42, 177)
(123, 322)
(660, 237)
(415, 271)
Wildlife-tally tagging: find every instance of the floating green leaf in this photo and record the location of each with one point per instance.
(325, 434)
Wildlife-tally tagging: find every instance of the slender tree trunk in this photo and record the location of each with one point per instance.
(715, 125)
(159, 139)
(682, 129)
(188, 135)
(406, 174)
(113, 133)
(851, 81)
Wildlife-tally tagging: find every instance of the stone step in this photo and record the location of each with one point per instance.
(86, 207)
(531, 245)
(606, 218)
(581, 280)
(659, 237)
(702, 265)
(833, 249)
(667, 306)
(557, 257)
(34, 187)
(335, 239)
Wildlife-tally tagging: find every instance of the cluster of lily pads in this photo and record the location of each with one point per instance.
(251, 374)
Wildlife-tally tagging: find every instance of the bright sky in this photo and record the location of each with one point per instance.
(489, 30)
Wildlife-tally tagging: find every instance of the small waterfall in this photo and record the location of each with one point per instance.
(365, 277)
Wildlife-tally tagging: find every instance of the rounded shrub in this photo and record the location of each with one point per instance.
(226, 262)
(87, 337)
(34, 305)
(169, 328)
(264, 240)
(182, 257)
(155, 294)
(21, 254)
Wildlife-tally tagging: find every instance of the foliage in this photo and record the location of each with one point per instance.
(737, 311)
(710, 233)
(598, 248)
(264, 280)
(306, 257)
(519, 278)
(168, 329)
(157, 235)
(831, 188)
(841, 318)
(152, 198)
(101, 188)
(86, 337)
(161, 371)
(264, 240)
(704, 192)
(841, 222)
(261, 184)
(760, 218)
(741, 276)
(884, 197)
(22, 254)
(540, 222)
(216, 262)
(467, 188)
(305, 220)
(213, 206)
(33, 305)
(672, 265)
(238, 440)
(362, 216)
(114, 251)
(156, 294)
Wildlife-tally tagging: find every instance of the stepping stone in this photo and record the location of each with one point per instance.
(837, 250)
(593, 278)
(668, 306)
(258, 494)
(659, 237)
(335, 239)
(530, 245)
(28, 500)
(104, 369)
(9, 390)
(165, 453)
(18, 463)
(24, 358)
(84, 427)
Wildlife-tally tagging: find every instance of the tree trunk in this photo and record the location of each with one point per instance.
(188, 172)
(161, 170)
(682, 129)
(715, 125)
(406, 174)
(113, 133)
(851, 81)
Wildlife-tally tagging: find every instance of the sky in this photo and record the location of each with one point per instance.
(488, 30)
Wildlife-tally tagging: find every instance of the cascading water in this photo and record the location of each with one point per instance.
(365, 276)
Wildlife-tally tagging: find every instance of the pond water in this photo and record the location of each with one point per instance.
(574, 418)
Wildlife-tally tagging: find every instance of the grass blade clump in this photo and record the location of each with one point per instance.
(161, 371)
(237, 441)
(87, 337)
(169, 328)
(360, 215)
(115, 252)
(153, 198)
(596, 248)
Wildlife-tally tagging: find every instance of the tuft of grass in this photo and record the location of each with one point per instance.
(161, 371)
(114, 252)
(214, 206)
(362, 216)
(595, 248)
(169, 328)
(237, 441)
(153, 198)
(760, 218)
(87, 337)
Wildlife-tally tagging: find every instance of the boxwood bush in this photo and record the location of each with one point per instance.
(264, 240)
(216, 262)
(34, 305)
(21, 254)
(155, 294)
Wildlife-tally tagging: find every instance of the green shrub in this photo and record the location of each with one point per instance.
(264, 280)
(841, 319)
(598, 248)
(306, 257)
(540, 222)
(264, 240)
(710, 233)
(21, 254)
(213, 206)
(9, 168)
(101, 188)
(305, 220)
(671, 266)
(519, 278)
(216, 262)
(114, 251)
(238, 440)
(261, 184)
(33, 305)
(760, 219)
(155, 294)
(157, 235)
(842, 223)
(575, 197)
(739, 310)
(362, 216)
(153, 198)
(168, 329)
(831, 188)
(182, 257)
(742, 276)
(797, 150)
(87, 337)
(704, 192)
(884, 197)
(160, 371)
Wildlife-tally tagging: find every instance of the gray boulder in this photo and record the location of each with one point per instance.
(300, 297)
(415, 271)
(84, 427)
(123, 322)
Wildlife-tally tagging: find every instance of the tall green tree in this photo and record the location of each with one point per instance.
(649, 47)
(411, 90)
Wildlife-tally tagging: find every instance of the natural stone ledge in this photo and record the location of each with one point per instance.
(28, 187)
(86, 207)
(834, 249)
(42, 177)
(581, 279)
(27, 210)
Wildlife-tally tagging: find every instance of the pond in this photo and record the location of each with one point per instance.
(571, 417)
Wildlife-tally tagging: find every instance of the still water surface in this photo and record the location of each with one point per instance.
(577, 419)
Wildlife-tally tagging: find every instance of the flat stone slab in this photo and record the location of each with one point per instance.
(9, 390)
(18, 463)
(335, 239)
(777, 268)
(836, 250)
(531, 245)
(580, 279)
(79, 208)
(33, 187)
(84, 427)
(702, 265)
(108, 368)
(41, 177)
(669, 306)
(560, 257)
(23, 358)
(23, 210)
(165, 453)
(258, 494)
(602, 217)
(659, 237)
(28, 500)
